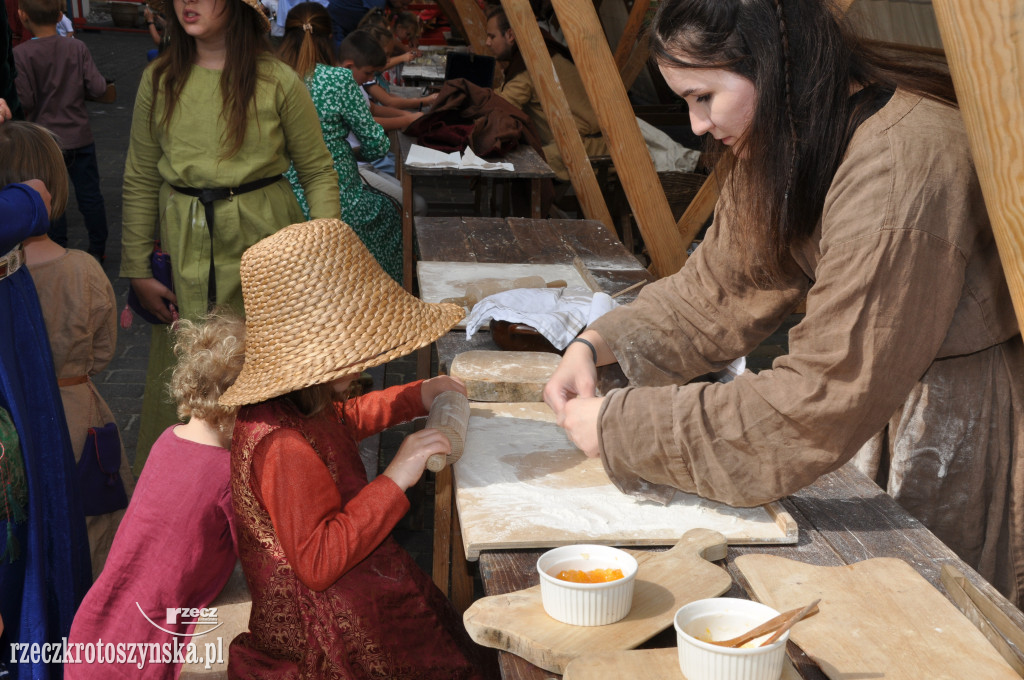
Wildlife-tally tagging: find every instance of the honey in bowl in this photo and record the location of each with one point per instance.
(589, 576)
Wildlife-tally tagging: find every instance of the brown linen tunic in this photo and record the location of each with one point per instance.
(79, 309)
(909, 322)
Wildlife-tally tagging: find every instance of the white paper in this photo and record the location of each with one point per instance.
(425, 157)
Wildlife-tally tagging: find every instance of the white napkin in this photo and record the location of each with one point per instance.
(559, 314)
(425, 157)
(471, 160)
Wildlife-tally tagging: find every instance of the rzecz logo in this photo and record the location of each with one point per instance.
(204, 620)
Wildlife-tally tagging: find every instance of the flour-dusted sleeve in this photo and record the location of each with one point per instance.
(882, 302)
(373, 141)
(304, 143)
(699, 319)
(141, 188)
(374, 411)
(321, 538)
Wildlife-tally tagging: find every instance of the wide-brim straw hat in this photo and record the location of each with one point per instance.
(165, 6)
(318, 307)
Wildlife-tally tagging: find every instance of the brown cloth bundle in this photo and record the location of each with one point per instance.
(469, 115)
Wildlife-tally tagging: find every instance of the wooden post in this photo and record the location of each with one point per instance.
(986, 57)
(634, 65)
(563, 126)
(474, 24)
(627, 41)
(582, 29)
(699, 210)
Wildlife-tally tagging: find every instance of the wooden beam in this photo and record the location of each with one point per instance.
(699, 210)
(634, 65)
(560, 118)
(582, 30)
(627, 41)
(474, 24)
(986, 58)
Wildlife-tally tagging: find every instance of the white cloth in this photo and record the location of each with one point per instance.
(559, 314)
(667, 154)
(424, 157)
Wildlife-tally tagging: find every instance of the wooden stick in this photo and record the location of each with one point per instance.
(450, 415)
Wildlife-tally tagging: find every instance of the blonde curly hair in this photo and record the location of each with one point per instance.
(210, 354)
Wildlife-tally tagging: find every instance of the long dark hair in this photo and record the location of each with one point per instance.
(803, 61)
(245, 40)
(303, 49)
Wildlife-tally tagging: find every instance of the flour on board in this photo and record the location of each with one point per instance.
(521, 483)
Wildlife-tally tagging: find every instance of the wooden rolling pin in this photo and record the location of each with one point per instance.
(450, 414)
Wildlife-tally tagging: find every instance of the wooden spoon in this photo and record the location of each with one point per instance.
(809, 610)
(769, 625)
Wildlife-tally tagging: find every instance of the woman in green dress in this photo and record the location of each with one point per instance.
(218, 120)
(343, 110)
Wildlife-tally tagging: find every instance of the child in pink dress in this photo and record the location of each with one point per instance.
(175, 548)
(333, 594)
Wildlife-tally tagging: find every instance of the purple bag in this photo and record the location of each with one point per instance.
(161, 265)
(99, 478)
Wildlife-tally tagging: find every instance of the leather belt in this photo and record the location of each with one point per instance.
(11, 262)
(210, 196)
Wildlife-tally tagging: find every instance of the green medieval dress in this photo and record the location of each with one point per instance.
(187, 152)
(343, 110)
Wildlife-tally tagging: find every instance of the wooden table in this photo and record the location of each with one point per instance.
(527, 165)
(520, 240)
(843, 518)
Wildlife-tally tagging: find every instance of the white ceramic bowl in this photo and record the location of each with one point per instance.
(586, 604)
(723, 618)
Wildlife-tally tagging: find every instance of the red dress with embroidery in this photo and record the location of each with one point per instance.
(333, 594)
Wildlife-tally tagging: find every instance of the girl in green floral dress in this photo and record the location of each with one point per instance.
(343, 110)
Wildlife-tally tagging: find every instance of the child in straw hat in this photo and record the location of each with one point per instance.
(217, 122)
(164, 559)
(333, 595)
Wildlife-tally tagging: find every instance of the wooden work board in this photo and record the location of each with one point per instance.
(877, 618)
(521, 484)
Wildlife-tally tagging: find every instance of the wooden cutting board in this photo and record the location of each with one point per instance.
(878, 619)
(521, 484)
(665, 581)
(441, 280)
(504, 376)
(641, 664)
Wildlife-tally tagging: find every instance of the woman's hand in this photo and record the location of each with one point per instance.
(5, 111)
(407, 57)
(411, 459)
(580, 423)
(576, 376)
(152, 295)
(428, 100)
(429, 389)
